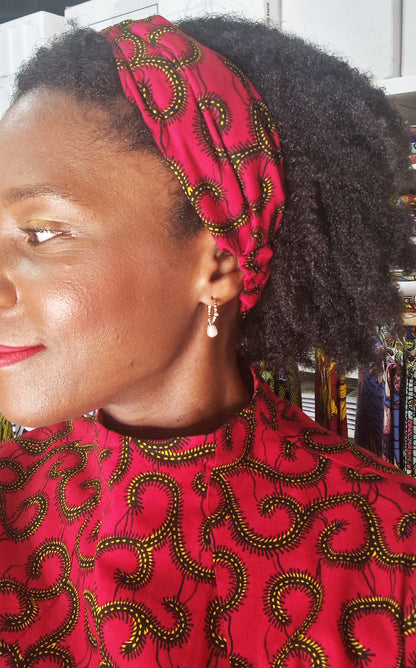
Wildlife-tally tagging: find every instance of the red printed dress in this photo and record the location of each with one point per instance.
(267, 542)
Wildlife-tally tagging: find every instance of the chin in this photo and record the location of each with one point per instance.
(25, 420)
(43, 411)
(33, 418)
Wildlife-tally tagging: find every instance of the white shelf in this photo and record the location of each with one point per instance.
(399, 85)
(407, 288)
(402, 92)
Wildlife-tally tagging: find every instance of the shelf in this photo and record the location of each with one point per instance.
(399, 85)
(407, 288)
(402, 92)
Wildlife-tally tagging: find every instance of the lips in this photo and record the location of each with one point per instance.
(10, 355)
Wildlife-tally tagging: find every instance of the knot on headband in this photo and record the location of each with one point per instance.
(216, 134)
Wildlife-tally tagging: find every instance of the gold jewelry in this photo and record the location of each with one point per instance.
(212, 331)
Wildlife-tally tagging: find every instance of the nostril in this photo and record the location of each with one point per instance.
(8, 294)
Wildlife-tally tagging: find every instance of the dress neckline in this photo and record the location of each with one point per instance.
(105, 431)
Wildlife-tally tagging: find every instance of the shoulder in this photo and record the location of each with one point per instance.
(39, 441)
(354, 505)
(306, 454)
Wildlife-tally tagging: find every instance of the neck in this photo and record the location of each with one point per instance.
(195, 395)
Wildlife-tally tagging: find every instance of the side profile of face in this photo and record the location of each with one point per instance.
(92, 280)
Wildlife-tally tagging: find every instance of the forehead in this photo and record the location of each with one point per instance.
(53, 117)
(49, 137)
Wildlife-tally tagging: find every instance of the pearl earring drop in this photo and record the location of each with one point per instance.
(212, 331)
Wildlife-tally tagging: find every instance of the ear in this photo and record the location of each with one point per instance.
(223, 278)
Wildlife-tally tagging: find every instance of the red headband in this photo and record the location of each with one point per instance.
(216, 134)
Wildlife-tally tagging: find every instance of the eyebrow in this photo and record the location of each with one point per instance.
(21, 193)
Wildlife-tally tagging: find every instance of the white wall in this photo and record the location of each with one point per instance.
(101, 13)
(177, 9)
(409, 38)
(367, 32)
(18, 40)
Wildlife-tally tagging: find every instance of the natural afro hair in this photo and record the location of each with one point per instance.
(345, 152)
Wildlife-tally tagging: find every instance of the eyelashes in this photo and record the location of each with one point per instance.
(37, 236)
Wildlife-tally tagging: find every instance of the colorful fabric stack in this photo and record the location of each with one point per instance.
(409, 404)
(413, 145)
(330, 396)
(370, 411)
(410, 200)
(386, 418)
(284, 381)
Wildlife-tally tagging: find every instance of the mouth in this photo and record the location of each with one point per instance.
(10, 355)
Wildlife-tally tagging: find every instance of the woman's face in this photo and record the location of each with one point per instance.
(91, 278)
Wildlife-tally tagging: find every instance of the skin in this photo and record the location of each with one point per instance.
(119, 304)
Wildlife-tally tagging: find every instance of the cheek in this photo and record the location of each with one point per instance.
(103, 330)
(59, 308)
(91, 310)
(65, 307)
(89, 290)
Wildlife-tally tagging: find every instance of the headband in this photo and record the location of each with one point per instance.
(216, 134)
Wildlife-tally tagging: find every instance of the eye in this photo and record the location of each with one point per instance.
(36, 236)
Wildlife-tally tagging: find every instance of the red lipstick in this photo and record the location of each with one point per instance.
(10, 355)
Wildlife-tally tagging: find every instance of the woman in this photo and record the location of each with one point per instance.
(197, 520)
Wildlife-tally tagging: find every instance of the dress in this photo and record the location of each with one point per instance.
(268, 542)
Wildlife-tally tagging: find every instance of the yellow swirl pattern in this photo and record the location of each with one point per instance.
(253, 545)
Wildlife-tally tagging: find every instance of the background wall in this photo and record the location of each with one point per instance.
(105, 12)
(368, 33)
(376, 36)
(38, 20)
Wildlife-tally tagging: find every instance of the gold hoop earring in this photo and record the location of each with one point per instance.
(212, 331)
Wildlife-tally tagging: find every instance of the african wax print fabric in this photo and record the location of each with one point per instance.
(216, 134)
(372, 425)
(283, 380)
(330, 395)
(386, 415)
(269, 542)
(6, 429)
(412, 130)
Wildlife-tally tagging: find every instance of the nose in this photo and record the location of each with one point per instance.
(8, 294)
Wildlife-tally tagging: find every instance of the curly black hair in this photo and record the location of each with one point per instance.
(346, 161)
